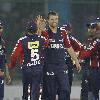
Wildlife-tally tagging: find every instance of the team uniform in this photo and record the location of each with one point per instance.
(92, 62)
(30, 48)
(2, 66)
(55, 69)
(85, 84)
(88, 47)
(76, 46)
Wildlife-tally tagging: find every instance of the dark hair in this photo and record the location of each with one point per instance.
(92, 25)
(31, 27)
(52, 13)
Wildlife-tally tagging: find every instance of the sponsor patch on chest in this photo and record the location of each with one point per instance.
(33, 45)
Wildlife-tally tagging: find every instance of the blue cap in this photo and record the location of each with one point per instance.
(92, 25)
(98, 19)
(31, 27)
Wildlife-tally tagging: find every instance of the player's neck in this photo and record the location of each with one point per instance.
(54, 29)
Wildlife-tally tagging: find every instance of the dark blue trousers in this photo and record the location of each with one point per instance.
(1, 88)
(32, 77)
(85, 84)
(95, 82)
(90, 83)
(70, 69)
(56, 77)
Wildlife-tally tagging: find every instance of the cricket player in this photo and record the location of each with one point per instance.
(3, 63)
(30, 48)
(55, 69)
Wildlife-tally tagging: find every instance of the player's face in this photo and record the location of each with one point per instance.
(98, 27)
(53, 21)
(93, 32)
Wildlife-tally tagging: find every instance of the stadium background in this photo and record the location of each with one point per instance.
(15, 13)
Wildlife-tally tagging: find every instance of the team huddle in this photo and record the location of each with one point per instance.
(47, 53)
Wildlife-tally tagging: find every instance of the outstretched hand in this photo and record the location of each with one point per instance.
(41, 23)
(8, 80)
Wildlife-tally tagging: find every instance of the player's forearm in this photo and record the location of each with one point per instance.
(12, 62)
(6, 69)
(72, 54)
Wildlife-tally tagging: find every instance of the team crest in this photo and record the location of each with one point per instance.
(33, 45)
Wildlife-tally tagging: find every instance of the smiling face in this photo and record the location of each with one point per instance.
(53, 21)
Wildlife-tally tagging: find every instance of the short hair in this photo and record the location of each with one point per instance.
(31, 26)
(52, 13)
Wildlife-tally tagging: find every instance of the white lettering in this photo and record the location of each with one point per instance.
(56, 46)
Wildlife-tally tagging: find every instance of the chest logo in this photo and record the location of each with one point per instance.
(33, 45)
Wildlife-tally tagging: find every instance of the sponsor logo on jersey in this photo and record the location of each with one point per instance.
(33, 45)
(57, 46)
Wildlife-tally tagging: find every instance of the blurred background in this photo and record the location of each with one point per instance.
(15, 13)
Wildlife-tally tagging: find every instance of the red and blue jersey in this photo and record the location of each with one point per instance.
(76, 44)
(87, 51)
(30, 49)
(90, 53)
(57, 42)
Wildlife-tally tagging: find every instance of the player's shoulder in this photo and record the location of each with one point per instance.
(62, 30)
(42, 37)
(21, 38)
(45, 34)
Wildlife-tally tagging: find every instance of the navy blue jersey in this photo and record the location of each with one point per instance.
(55, 53)
(33, 49)
(2, 54)
(30, 48)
